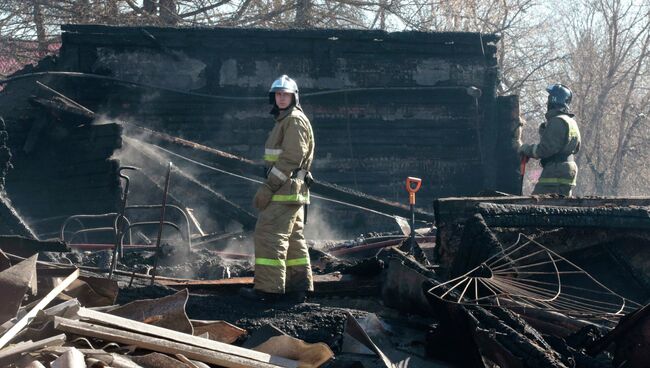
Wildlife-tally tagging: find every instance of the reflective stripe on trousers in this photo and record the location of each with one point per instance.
(281, 263)
(564, 181)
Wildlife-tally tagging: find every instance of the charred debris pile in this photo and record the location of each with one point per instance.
(108, 258)
(497, 281)
(505, 281)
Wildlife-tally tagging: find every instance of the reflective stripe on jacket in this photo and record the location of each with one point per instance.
(289, 147)
(561, 136)
(559, 139)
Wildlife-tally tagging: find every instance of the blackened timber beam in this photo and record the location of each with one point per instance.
(453, 210)
(242, 166)
(223, 159)
(513, 215)
(23, 246)
(64, 110)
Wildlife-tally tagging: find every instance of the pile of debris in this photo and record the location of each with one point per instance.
(501, 281)
(150, 333)
(383, 311)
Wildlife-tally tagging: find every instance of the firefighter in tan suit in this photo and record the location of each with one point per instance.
(559, 141)
(282, 266)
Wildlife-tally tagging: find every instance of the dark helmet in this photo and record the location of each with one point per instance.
(559, 96)
(286, 84)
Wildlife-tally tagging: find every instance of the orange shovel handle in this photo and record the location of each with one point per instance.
(412, 186)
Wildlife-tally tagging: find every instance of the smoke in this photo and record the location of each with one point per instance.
(149, 159)
(171, 69)
(321, 225)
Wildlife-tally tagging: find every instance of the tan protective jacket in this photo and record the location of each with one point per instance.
(288, 154)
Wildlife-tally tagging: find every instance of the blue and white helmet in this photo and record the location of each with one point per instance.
(286, 84)
(559, 96)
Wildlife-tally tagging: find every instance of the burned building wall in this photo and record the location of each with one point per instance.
(60, 157)
(384, 106)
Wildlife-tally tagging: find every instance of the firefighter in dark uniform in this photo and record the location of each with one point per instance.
(559, 141)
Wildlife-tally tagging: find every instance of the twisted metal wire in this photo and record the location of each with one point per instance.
(530, 275)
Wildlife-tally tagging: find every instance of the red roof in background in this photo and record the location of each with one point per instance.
(10, 64)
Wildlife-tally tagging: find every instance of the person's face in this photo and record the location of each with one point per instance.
(283, 99)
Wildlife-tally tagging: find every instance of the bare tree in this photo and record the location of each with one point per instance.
(39, 23)
(609, 72)
(303, 13)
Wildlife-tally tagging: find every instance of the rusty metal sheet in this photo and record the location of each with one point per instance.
(218, 330)
(354, 330)
(14, 283)
(93, 291)
(191, 363)
(262, 334)
(111, 359)
(307, 355)
(402, 289)
(167, 312)
(158, 360)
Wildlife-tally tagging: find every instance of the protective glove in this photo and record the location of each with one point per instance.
(262, 197)
(526, 150)
(520, 150)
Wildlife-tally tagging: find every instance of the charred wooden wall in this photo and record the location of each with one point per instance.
(69, 172)
(61, 161)
(384, 106)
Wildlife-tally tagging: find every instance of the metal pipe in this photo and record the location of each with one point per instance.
(162, 222)
(120, 217)
(136, 224)
(172, 206)
(78, 218)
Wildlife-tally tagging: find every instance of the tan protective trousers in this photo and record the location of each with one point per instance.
(281, 254)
